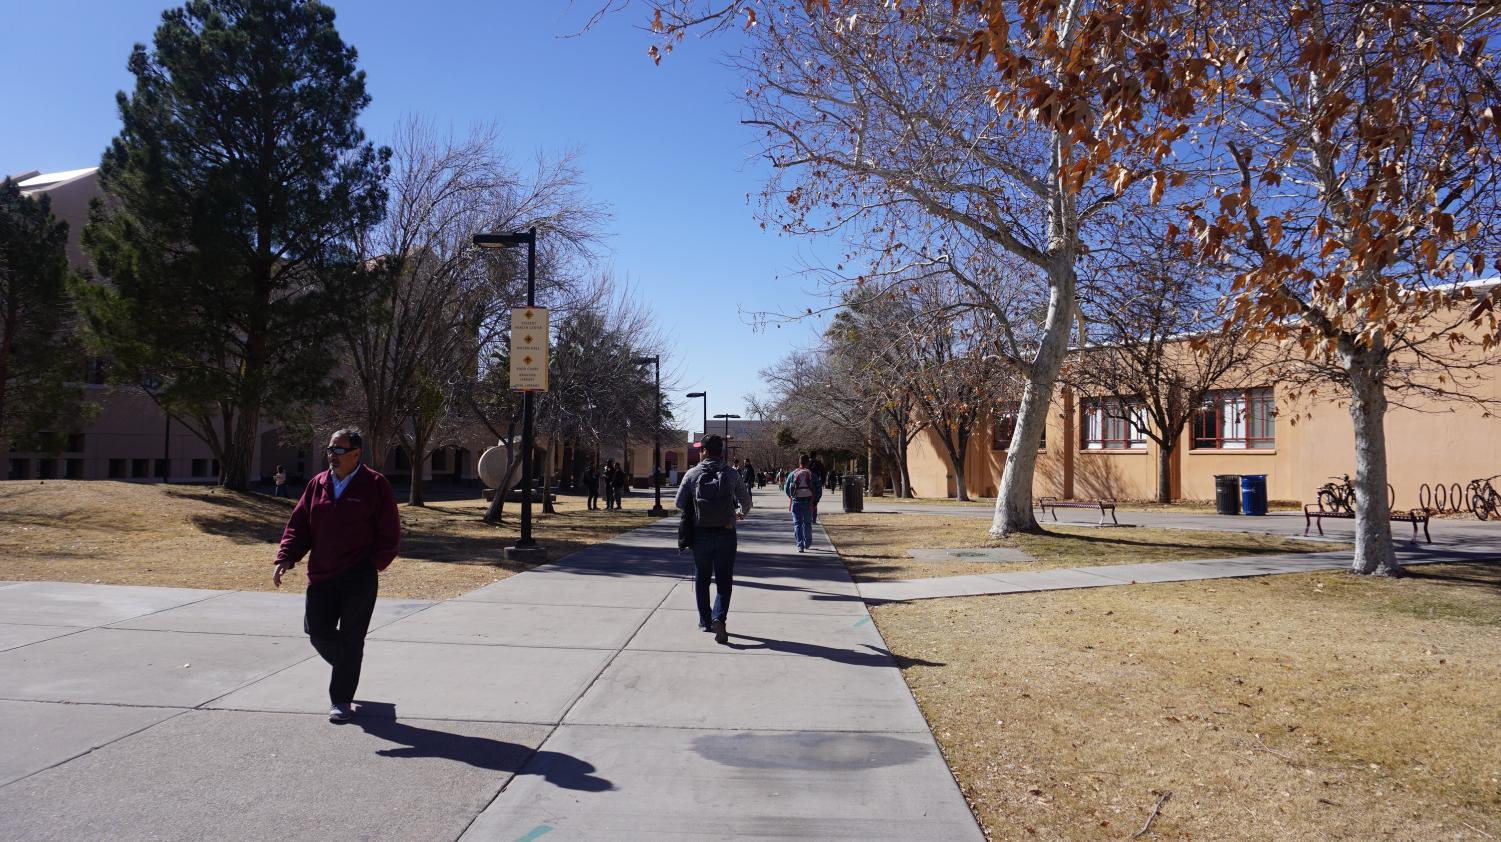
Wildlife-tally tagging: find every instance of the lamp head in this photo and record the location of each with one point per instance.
(505, 241)
(698, 394)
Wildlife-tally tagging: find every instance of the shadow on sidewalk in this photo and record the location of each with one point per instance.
(876, 657)
(378, 719)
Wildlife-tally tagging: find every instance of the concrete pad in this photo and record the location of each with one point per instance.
(440, 681)
(819, 635)
(552, 588)
(1164, 571)
(12, 636)
(491, 623)
(1054, 580)
(76, 604)
(225, 775)
(1230, 568)
(131, 667)
(249, 612)
(827, 692)
(808, 598)
(674, 784)
(42, 734)
(969, 554)
(945, 586)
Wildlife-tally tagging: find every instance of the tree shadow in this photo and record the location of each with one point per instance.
(876, 657)
(1483, 574)
(378, 719)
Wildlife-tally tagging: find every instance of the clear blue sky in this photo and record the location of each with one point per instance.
(661, 145)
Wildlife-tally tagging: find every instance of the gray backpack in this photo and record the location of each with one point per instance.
(713, 499)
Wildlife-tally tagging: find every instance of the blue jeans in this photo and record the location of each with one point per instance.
(713, 556)
(802, 522)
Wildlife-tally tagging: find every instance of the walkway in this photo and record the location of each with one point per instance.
(1453, 540)
(574, 702)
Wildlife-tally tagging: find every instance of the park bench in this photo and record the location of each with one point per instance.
(1313, 514)
(1104, 506)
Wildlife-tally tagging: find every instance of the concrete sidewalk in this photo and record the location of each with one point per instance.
(576, 701)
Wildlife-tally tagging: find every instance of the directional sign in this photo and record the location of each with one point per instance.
(529, 349)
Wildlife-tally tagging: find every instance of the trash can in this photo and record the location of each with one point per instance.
(1227, 494)
(1253, 494)
(854, 493)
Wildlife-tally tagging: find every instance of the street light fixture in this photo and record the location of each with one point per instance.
(705, 396)
(656, 453)
(526, 548)
(726, 416)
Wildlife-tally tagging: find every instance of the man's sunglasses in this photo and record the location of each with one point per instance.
(340, 451)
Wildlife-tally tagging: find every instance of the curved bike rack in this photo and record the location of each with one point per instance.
(1440, 499)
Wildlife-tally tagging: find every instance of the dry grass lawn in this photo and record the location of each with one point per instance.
(204, 537)
(874, 546)
(1286, 708)
(1190, 506)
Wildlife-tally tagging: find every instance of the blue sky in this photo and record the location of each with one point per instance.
(661, 145)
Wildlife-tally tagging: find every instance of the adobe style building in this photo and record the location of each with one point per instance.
(1298, 442)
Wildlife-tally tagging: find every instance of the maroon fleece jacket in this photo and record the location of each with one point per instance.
(358, 527)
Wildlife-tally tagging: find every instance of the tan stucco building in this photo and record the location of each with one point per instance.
(1297, 441)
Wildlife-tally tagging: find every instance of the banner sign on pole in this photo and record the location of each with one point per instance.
(529, 349)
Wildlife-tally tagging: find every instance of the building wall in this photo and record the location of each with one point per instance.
(1430, 443)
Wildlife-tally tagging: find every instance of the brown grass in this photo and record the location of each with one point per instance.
(1179, 506)
(1297, 707)
(205, 537)
(874, 546)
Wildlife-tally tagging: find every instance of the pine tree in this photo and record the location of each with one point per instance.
(233, 195)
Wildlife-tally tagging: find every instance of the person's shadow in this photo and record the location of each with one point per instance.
(378, 719)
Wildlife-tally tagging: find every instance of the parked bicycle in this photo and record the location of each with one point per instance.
(1485, 501)
(1340, 496)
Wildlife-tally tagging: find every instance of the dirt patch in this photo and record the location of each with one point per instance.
(1296, 707)
(205, 537)
(874, 546)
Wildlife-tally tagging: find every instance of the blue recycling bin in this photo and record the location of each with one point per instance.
(1253, 494)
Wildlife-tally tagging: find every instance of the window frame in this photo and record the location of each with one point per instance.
(1097, 423)
(1257, 406)
(1004, 416)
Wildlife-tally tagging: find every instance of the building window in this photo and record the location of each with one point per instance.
(1003, 427)
(46, 469)
(117, 468)
(1112, 424)
(140, 469)
(1236, 419)
(164, 469)
(200, 467)
(75, 443)
(75, 469)
(440, 460)
(20, 469)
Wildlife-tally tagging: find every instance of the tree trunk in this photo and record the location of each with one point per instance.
(234, 470)
(496, 511)
(417, 457)
(904, 472)
(547, 482)
(1374, 553)
(1013, 505)
(1164, 474)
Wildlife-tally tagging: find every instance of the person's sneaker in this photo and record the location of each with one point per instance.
(705, 627)
(340, 713)
(720, 635)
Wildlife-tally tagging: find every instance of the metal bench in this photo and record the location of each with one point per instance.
(1104, 506)
(1314, 514)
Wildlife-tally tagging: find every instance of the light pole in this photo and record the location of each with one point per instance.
(726, 416)
(656, 453)
(525, 548)
(705, 434)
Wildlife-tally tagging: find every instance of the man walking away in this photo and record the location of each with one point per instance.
(714, 491)
(819, 473)
(608, 480)
(800, 488)
(347, 518)
(591, 487)
(622, 482)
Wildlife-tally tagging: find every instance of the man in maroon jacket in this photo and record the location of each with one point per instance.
(347, 518)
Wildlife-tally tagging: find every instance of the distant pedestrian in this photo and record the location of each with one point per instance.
(622, 482)
(608, 480)
(820, 473)
(748, 474)
(801, 490)
(713, 492)
(347, 519)
(591, 487)
(279, 481)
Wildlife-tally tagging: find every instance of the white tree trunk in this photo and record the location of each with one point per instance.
(1374, 553)
(1013, 505)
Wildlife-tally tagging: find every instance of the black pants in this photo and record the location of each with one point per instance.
(593, 496)
(713, 558)
(337, 617)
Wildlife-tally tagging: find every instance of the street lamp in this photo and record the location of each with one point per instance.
(726, 416)
(656, 453)
(705, 396)
(526, 548)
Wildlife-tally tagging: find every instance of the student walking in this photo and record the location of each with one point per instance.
(279, 480)
(347, 519)
(622, 481)
(801, 490)
(819, 473)
(713, 491)
(591, 487)
(608, 480)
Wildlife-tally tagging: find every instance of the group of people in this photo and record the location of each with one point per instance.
(610, 480)
(346, 524)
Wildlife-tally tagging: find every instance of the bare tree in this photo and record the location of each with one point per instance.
(1359, 203)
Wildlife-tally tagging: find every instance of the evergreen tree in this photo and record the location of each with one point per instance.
(233, 196)
(39, 363)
